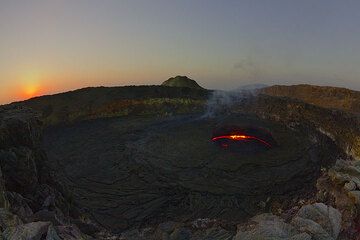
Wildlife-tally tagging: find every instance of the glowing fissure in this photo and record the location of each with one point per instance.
(237, 137)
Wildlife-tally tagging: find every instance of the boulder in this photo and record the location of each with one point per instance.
(45, 216)
(346, 173)
(29, 231)
(312, 228)
(317, 221)
(19, 127)
(267, 226)
(213, 233)
(301, 236)
(70, 232)
(19, 169)
(322, 222)
(355, 195)
(164, 230)
(19, 205)
(180, 233)
(52, 234)
(7, 219)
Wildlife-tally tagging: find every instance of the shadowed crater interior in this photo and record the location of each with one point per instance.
(130, 171)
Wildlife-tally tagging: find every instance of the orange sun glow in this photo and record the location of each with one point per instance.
(30, 86)
(30, 91)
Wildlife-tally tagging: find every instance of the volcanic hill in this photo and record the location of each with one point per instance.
(181, 81)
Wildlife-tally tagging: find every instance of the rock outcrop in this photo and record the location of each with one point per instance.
(107, 102)
(311, 222)
(181, 81)
(316, 221)
(32, 204)
(328, 97)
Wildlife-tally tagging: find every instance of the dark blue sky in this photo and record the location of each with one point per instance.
(50, 46)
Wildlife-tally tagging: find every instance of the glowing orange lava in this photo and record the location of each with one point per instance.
(237, 137)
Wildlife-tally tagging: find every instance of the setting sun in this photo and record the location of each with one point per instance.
(31, 83)
(31, 91)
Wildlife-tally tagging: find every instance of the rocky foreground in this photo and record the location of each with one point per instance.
(43, 194)
(33, 205)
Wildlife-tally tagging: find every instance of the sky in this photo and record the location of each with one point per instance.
(50, 46)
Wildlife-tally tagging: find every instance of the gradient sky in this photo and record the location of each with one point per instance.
(51, 46)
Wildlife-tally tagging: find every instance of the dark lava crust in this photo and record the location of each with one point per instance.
(131, 171)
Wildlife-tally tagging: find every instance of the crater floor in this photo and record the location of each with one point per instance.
(131, 171)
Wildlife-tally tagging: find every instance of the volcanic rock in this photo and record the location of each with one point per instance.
(321, 221)
(26, 181)
(268, 226)
(52, 234)
(181, 81)
(328, 97)
(8, 219)
(317, 221)
(18, 205)
(70, 232)
(29, 231)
